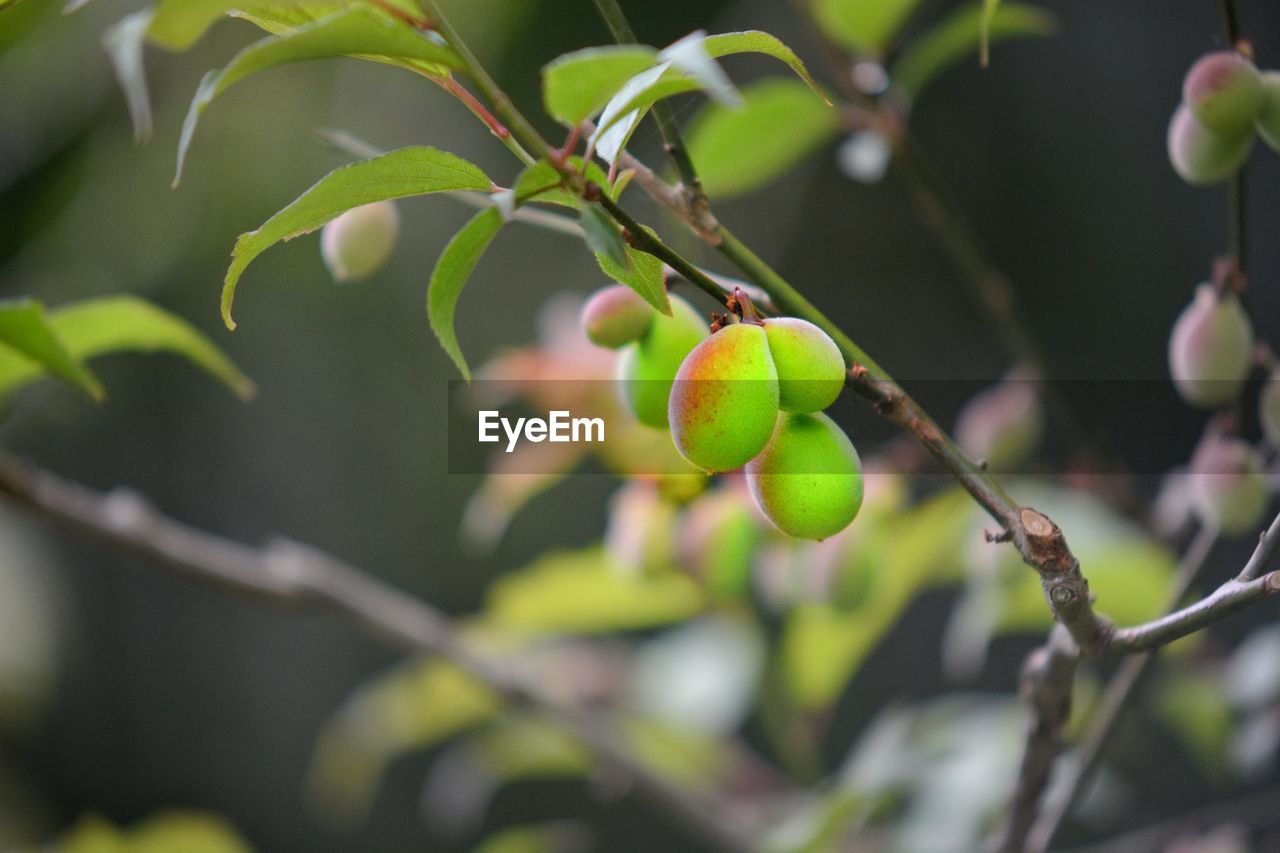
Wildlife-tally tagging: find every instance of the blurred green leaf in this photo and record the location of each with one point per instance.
(864, 26)
(959, 36)
(405, 172)
(1193, 706)
(989, 9)
(823, 645)
(580, 592)
(556, 837)
(166, 832)
(602, 235)
(124, 44)
(688, 757)
(450, 275)
(356, 30)
(29, 340)
(414, 706)
(577, 85)
(780, 123)
(520, 746)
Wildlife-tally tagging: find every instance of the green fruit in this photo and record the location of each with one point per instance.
(725, 399)
(1228, 486)
(615, 316)
(808, 479)
(717, 540)
(1267, 121)
(810, 366)
(1202, 156)
(1224, 92)
(648, 369)
(1211, 349)
(357, 243)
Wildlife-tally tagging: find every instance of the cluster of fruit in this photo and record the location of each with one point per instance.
(1225, 99)
(749, 394)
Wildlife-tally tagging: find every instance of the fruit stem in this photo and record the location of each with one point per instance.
(742, 305)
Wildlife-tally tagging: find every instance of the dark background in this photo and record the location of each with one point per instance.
(171, 694)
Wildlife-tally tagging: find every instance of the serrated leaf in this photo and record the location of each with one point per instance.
(357, 30)
(450, 275)
(959, 35)
(541, 182)
(28, 339)
(779, 124)
(125, 324)
(602, 236)
(691, 57)
(643, 274)
(864, 26)
(577, 85)
(404, 172)
(580, 592)
(626, 109)
(758, 41)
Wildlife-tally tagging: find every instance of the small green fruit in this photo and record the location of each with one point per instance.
(1224, 92)
(808, 479)
(1269, 409)
(1228, 486)
(717, 540)
(1202, 156)
(724, 402)
(810, 366)
(615, 316)
(1210, 349)
(648, 369)
(1267, 122)
(358, 242)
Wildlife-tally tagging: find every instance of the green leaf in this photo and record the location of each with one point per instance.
(779, 125)
(580, 592)
(414, 706)
(356, 30)
(577, 85)
(178, 24)
(864, 26)
(823, 645)
(602, 235)
(959, 35)
(450, 275)
(29, 341)
(757, 41)
(405, 172)
(989, 8)
(125, 324)
(643, 274)
(1192, 705)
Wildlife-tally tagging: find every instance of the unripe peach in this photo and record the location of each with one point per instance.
(615, 316)
(1228, 486)
(717, 540)
(1003, 425)
(808, 479)
(358, 242)
(1224, 92)
(724, 402)
(809, 364)
(1210, 348)
(1267, 122)
(648, 369)
(1269, 409)
(1202, 156)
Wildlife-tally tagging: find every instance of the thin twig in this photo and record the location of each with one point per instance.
(1119, 692)
(291, 573)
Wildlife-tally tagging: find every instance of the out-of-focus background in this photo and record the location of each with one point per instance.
(127, 691)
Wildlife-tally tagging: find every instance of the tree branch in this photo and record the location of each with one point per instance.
(292, 573)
